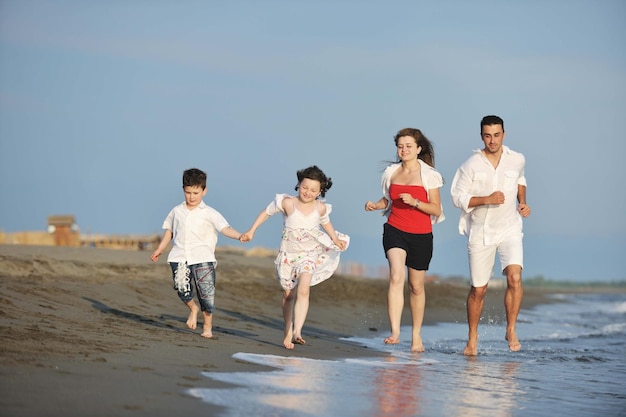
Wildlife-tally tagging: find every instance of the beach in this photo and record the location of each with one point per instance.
(101, 332)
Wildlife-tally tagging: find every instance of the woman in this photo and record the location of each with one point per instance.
(412, 204)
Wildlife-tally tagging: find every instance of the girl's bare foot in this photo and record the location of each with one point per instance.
(192, 320)
(298, 340)
(287, 341)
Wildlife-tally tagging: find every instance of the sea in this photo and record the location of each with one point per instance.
(572, 363)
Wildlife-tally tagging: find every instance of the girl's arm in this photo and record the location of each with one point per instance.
(270, 210)
(167, 238)
(330, 230)
(249, 234)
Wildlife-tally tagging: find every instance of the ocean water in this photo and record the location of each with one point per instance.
(572, 363)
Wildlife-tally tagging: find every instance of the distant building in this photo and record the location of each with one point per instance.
(63, 231)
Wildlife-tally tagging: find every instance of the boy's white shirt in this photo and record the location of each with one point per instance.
(194, 233)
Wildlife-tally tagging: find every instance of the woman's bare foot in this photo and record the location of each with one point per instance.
(417, 345)
(192, 320)
(514, 344)
(392, 340)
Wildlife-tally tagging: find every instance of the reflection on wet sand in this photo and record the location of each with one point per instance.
(397, 389)
(486, 389)
(301, 386)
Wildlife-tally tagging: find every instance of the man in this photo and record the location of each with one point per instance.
(490, 190)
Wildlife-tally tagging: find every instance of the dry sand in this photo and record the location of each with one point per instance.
(97, 332)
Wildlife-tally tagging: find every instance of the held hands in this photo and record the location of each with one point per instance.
(246, 237)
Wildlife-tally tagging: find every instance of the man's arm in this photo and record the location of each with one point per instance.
(495, 198)
(522, 207)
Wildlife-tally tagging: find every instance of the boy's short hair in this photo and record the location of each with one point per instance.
(194, 177)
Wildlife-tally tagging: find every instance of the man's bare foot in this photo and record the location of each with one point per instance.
(471, 349)
(298, 340)
(192, 320)
(514, 344)
(392, 340)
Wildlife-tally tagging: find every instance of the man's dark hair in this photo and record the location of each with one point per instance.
(491, 120)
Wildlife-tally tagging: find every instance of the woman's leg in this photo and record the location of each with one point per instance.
(395, 294)
(417, 300)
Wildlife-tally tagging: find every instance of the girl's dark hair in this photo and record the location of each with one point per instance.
(314, 173)
(428, 153)
(194, 177)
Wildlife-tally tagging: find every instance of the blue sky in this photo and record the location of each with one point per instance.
(104, 104)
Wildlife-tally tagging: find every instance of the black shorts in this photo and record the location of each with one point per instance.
(418, 247)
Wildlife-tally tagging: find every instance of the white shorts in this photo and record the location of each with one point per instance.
(482, 258)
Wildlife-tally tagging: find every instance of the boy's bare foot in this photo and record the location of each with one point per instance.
(514, 344)
(392, 340)
(299, 340)
(192, 320)
(208, 333)
(471, 349)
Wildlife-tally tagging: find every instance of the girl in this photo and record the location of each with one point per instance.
(307, 255)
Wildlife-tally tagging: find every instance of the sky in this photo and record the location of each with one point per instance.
(103, 105)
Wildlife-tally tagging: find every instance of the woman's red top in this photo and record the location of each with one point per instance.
(407, 218)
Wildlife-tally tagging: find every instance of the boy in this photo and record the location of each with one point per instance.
(193, 229)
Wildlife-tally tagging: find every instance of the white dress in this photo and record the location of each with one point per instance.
(305, 246)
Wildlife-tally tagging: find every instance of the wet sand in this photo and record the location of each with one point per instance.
(101, 332)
